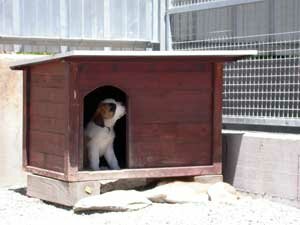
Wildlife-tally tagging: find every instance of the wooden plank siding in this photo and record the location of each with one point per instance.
(170, 109)
(26, 124)
(146, 173)
(47, 113)
(71, 153)
(217, 113)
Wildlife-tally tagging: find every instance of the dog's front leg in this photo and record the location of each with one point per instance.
(111, 158)
(94, 154)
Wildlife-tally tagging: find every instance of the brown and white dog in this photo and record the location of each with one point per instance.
(99, 133)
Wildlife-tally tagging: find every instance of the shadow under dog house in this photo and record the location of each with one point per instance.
(172, 127)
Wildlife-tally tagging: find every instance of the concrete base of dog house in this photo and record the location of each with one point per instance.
(60, 192)
(68, 193)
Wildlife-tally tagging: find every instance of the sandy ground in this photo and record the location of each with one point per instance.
(18, 209)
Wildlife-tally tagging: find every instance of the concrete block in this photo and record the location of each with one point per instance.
(263, 163)
(61, 192)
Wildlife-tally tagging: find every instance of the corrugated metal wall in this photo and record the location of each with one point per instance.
(85, 19)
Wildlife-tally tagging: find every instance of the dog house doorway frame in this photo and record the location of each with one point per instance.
(82, 96)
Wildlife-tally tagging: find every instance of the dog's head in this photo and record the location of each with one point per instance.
(108, 112)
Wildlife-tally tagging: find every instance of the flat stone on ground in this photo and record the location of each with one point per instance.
(116, 201)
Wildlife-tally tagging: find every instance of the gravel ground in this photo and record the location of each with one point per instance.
(17, 209)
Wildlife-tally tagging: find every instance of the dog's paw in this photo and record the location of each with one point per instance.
(116, 167)
(94, 167)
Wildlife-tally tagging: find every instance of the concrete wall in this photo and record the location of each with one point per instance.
(263, 163)
(11, 121)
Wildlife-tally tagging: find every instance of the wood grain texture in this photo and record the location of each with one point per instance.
(168, 153)
(45, 94)
(53, 68)
(47, 161)
(174, 115)
(170, 108)
(37, 159)
(47, 81)
(26, 122)
(180, 127)
(48, 110)
(143, 67)
(53, 162)
(46, 115)
(217, 112)
(64, 193)
(71, 154)
(183, 132)
(129, 173)
(45, 172)
(175, 144)
(147, 81)
(47, 124)
(145, 173)
(83, 155)
(51, 143)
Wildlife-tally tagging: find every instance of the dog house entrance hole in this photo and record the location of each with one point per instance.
(91, 102)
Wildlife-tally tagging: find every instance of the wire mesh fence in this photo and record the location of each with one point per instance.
(259, 90)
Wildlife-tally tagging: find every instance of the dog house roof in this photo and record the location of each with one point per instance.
(228, 54)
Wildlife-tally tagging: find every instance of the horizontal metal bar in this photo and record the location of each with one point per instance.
(274, 109)
(256, 92)
(209, 5)
(76, 41)
(291, 122)
(263, 101)
(245, 37)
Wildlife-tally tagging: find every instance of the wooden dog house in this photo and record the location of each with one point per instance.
(173, 121)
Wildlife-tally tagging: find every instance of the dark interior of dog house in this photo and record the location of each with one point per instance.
(91, 102)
